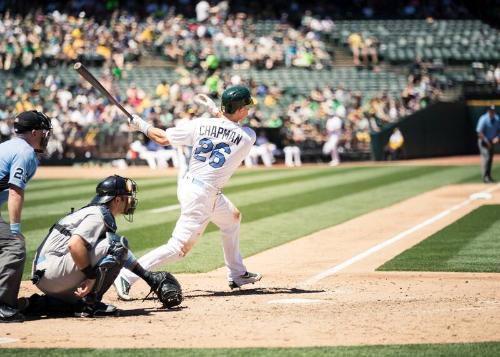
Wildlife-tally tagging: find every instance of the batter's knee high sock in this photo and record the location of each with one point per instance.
(164, 254)
(141, 272)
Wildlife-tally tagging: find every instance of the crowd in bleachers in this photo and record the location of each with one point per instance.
(214, 40)
(239, 42)
(56, 38)
(210, 51)
(86, 125)
(401, 41)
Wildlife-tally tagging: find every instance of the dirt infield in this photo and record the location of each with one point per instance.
(294, 306)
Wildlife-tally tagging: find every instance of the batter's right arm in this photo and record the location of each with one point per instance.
(156, 134)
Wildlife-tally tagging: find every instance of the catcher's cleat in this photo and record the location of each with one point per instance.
(247, 278)
(98, 309)
(122, 287)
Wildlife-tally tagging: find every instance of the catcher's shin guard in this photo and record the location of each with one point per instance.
(109, 267)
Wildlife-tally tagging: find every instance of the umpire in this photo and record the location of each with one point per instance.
(18, 164)
(488, 131)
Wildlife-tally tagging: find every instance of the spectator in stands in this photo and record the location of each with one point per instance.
(202, 11)
(162, 90)
(492, 76)
(394, 147)
(355, 42)
(293, 137)
(369, 51)
(488, 132)
(5, 130)
(334, 133)
(265, 149)
(139, 150)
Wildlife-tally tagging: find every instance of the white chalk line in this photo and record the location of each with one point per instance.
(316, 278)
(7, 340)
(165, 209)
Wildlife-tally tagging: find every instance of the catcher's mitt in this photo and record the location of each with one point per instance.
(166, 288)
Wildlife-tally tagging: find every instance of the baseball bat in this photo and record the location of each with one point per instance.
(207, 102)
(84, 72)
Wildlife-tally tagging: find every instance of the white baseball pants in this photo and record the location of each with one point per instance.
(200, 204)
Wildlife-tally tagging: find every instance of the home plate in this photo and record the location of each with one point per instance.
(295, 301)
(7, 340)
(481, 196)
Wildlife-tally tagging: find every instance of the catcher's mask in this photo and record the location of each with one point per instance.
(34, 120)
(114, 186)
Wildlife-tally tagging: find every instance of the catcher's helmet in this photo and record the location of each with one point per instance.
(113, 186)
(31, 120)
(234, 98)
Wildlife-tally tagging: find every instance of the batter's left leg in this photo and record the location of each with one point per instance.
(196, 207)
(227, 217)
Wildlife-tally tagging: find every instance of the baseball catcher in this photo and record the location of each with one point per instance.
(82, 255)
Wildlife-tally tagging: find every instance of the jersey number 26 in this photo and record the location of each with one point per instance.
(216, 159)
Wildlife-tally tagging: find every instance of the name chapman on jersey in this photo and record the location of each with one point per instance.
(221, 133)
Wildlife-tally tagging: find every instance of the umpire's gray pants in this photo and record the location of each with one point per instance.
(486, 158)
(62, 277)
(12, 257)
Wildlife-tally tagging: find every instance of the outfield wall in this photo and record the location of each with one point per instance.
(442, 129)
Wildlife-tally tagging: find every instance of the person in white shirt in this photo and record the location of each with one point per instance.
(334, 130)
(202, 11)
(219, 145)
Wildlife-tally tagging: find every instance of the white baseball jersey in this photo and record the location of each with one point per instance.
(219, 147)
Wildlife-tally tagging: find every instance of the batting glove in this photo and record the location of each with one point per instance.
(209, 104)
(139, 124)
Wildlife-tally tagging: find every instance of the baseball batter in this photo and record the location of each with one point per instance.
(18, 164)
(219, 146)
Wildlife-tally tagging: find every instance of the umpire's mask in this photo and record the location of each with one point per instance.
(113, 186)
(34, 120)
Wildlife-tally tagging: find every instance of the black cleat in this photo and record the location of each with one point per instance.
(247, 278)
(9, 314)
(98, 309)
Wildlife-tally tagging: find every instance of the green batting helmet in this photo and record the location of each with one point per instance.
(236, 97)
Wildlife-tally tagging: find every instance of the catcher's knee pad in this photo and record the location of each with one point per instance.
(118, 247)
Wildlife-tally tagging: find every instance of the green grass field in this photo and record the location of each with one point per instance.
(486, 349)
(469, 245)
(277, 205)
